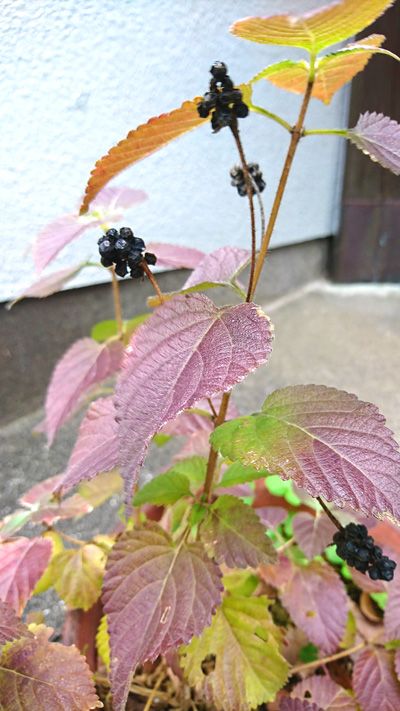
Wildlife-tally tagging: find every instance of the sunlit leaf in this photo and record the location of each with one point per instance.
(313, 533)
(187, 350)
(156, 596)
(101, 488)
(248, 667)
(96, 448)
(47, 579)
(139, 143)
(41, 675)
(175, 256)
(49, 284)
(163, 489)
(314, 30)
(327, 441)
(325, 694)
(22, 563)
(13, 523)
(78, 575)
(317, 602)
(41, 493)
(103, 642)
(378, 136)
(238, 473)
(235, 534)
(375, 682)
(85, 364)
(331, 72)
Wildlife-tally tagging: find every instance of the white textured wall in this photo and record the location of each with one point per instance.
(77, 75)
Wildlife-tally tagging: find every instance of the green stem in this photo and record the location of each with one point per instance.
(326, 132)
(271, 115)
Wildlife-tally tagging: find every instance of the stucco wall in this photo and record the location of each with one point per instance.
(77, 75)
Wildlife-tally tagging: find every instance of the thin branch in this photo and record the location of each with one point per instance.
(327, 660)
(249, 190)
(212, 408)
(260, 205)
(296, 136)
(271, 115)
(150, 700)
(70, 539)
(117, 302)
(326, 132)
(152, 280)
(329, 513)
(213, 455)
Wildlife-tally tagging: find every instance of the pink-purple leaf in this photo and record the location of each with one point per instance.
(329, 442)
(219, 267)
(11, 627)
(313, 533)
(325, 693)
(156, 596)
(288, 704)
(49, 284)
(22, 563)
(84, 365)
(41, 492)
(317, 602)
(39, 675)
(378, 136)
(54, 511)
(57, 234)
(375, 682)
(235, 535)
(188, 423)
(188, 349)
(96, 449)
(271, 516)
(397, 663)
(174, 256)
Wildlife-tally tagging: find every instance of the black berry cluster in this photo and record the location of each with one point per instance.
(125, 251)
(238, 181)
(358, 549)
(223, 99)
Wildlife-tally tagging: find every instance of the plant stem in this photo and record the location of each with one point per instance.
(327, 660)
(117, 302)
(154, 690)
(66, 537)
(152, 280)
(212, 408)
(271, 115)
(326, 132)
(213, 455)
(249, 190)
(296, 136)
(329, 513)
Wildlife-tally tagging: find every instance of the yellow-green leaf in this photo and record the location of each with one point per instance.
(78, 575)
(242, 645)
(47, 579)
(315, 30)
(103, 642)
(331, 72)
(101, 487)
(139, 143)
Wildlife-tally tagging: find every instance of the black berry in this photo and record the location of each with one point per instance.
(150, 258)
(125, 251)
(238, 181)
(358, 549)
(219, 70)
(126, 233)
(223, 100)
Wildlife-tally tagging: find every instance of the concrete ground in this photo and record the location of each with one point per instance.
(344, 336)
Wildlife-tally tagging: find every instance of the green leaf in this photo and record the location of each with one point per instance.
(241, 582)
(308, 653)
(163, 489)
(235, 534)
(380, 598)
(238, 473)
(103, 330)
(103, 642)
(101, 487)
(194, 468)
(160, 439)
(279, 487)
(314, 30)
(248, 669)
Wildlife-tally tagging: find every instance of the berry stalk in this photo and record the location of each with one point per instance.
(152, 280)
(117, 302)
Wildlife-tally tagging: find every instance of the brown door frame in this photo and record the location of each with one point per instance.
(368, 245)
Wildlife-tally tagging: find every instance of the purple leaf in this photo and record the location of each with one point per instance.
(56, 235)
(189, 423)
(325, 693)
(317, 602)
(175, 256)
(49, 284)
(365, 583)
(313, 533)
(96, 449)
(117, 198)
(40, 675)
(188, 349)
(271, 516)
(288, 704)
(84, 365)
(329, 442)
(156, 596)
(378, 136)
(375, 682)
(397, 663)
(22, 563)
(220, 266)
(197, 445)
(11, 627)
(233, 531)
